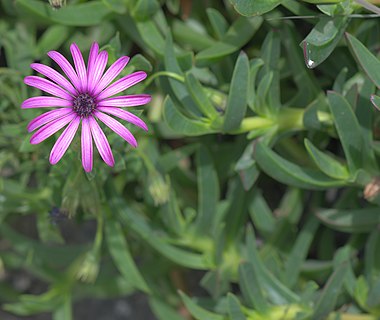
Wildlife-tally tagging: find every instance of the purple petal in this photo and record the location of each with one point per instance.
(117, 127)
(47, 117)
(126, 101)
(64, 141)
(92, 56)
(80, 67)
(51, 128)
(55, 76)
(96, 72)
(47, 86)
(111, 74)
(122, 84)
(125, 115)
(66, 67)
(101, 142)
(87, 149)
(45, 102)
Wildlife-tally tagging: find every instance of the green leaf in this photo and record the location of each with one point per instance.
(151, 36)
(198, 312)
(375, 101)
(277, 292)
(64, 311)
(323, 39)
(351, 221)
(179, 89)
(208, 190)
(157, 242)
(52, 39)
(144, 9)
(162, 310)
(290, 173)
(181, 124)
(236, 37)
(199, 96)
(372, 256)
(261, 214)
(118, 247)
(250, 286)
(81, 15)
(237, 97)
(366, 59)
(300, 251)
(218, 22)
(348, 129)
(326, 163)
(234, 308)
(254, 8)
(329, 295)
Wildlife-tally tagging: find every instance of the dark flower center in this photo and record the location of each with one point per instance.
(84, 105)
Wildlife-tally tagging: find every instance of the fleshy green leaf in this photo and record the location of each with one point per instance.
(348, 129)
(181, 124)
(235, 38)
(367, 60)
(290, 173)
(121, 255)
(80, 15)
(352, 221)
(254, 8)
(198, 312)
(323, 39)
(237, 97)
(326, 163)
(329, 296)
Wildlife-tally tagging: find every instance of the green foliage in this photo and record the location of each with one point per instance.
(258, 181)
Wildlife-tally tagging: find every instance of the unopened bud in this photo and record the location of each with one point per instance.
(57, 4)
(372, 189)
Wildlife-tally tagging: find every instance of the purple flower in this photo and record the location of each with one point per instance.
(83, 99)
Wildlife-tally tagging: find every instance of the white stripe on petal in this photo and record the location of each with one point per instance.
(122, 84)
(55, 76)
(47, 86)
(80, 67)
(125, 115)
(47, 117)
(96, 72)
(126, 101)
(111, 74)
(101, 142)
(50, 128)
(87, 148)
(45, 102)
(66, 67)
(64, 141)
(117, 127)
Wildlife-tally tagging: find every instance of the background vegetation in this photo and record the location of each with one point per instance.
(253, 196)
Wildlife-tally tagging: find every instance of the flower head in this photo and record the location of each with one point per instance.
(82, 100)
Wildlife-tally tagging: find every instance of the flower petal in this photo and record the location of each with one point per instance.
(47, 86)
(122, 84)
(87, 149)
(64, 141)
(101, 142)
(51, 128)
(126, 101)
(66, 67)
(117, 127)
(45, 102)
(96, 72)
(55, 76)
(111, 74)
(80, 67)
(125, 115)
(47, 117)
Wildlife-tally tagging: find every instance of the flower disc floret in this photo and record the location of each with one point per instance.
(84, 105)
